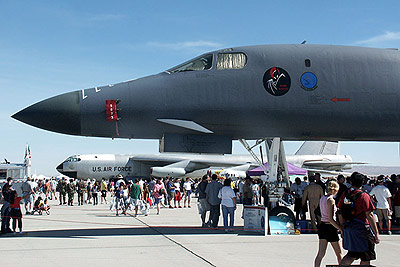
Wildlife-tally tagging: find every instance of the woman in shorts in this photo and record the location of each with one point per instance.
(158, 193)
(328, 228)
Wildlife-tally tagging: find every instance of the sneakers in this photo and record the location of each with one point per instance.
(389, 232)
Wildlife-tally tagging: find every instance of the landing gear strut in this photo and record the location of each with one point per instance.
(277, 177)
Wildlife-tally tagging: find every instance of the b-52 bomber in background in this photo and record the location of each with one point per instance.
(315, 156)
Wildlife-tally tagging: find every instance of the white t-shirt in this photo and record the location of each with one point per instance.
(381, 193)
(177, 187)
(255, 187)
(53, 185)
(187, 186)
(141, 183)
(226, 194)
(118, 183)
(126, 193)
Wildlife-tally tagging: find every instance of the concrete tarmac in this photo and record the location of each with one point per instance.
(93, 236)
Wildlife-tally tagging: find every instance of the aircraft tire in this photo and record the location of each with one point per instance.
(285, 212)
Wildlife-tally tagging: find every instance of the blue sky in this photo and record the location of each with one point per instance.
(51, 47)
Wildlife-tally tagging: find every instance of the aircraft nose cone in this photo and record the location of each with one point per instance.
(60, 168)
(58, 114)
(71, 174)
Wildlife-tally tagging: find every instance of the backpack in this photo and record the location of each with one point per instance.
(348, 209)
(11, 196)
(161, 191)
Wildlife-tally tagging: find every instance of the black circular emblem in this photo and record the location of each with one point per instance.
(276, 81)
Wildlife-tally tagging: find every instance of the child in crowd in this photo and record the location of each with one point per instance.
(15, 212)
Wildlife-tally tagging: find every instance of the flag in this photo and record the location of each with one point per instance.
(28, 156)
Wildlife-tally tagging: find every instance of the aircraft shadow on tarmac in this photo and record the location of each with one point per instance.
(134, 231)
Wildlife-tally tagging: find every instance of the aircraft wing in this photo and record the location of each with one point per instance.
(326, 163)
(179, 168)
(180, 164)
(237, 171)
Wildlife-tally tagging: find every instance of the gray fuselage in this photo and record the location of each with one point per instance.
(354, 95)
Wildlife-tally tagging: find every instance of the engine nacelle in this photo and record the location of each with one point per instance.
(167, 171)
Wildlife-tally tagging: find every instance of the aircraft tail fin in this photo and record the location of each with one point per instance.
(318, 148)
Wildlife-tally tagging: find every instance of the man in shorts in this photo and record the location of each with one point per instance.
(135, 195)
(363, 218)
(383, 204)
(27, 194)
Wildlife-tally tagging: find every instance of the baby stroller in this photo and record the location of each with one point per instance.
(41, 206)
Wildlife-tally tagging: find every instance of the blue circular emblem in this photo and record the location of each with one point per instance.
(308, 81)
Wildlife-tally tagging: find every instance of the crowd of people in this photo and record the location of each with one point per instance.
(345, 205)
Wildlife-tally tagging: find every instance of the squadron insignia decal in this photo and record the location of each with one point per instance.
(309, 81)
(276, 81)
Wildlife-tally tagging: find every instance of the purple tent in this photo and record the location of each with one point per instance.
(293, 170)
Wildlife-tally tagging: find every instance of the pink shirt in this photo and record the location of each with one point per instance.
(157, 189)
(323, 205)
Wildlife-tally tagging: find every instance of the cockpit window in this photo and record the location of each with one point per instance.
(72, 159)
(227, 61)
(200, 63)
